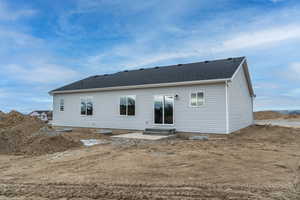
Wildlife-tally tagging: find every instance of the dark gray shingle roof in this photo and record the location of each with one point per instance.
(207, 70)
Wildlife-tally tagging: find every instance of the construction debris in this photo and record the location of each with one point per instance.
(104, 131)
(64, 130)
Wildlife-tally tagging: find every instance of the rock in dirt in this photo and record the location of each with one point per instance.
(198, 137)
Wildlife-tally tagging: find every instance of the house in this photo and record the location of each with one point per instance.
(44, 115)
(205, 97)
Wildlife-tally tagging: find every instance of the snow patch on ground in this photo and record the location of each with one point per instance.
(92, 142)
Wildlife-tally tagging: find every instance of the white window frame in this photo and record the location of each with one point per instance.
(86, 100)
(61, 105)
(126, 96)
(196, 92)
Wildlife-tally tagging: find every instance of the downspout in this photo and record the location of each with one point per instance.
(252, 101)
(227, 107)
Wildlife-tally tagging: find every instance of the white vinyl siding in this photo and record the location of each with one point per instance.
(240, 103)
(208, 118)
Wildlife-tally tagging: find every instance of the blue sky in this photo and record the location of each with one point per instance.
(45, 44)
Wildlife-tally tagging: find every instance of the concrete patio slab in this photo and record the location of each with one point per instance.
(141, 136)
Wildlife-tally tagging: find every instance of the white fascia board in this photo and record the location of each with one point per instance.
(246, 70)
(142, 86)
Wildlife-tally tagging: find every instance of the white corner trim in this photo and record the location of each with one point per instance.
(227, 107)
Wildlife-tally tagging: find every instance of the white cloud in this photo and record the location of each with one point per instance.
(276, 102)
(41, 99)
(259, 38)
(4, 93)
(293, 92)
(276, 1)
(164, 38)
(141, 52)
(11, 38)
(8, 14)
(292, 72)
(44, 73)
(266, 85)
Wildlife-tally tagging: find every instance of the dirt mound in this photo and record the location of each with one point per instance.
(292, 116)
(40, 145)
(14, 118)
(2, 114)
(22, 134)
(261, 115)
(265, 115)
(271, 134)
(16, 129)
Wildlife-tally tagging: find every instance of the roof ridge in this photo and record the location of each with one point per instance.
(157, 67)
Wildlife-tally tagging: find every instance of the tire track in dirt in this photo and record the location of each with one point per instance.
(136, 192)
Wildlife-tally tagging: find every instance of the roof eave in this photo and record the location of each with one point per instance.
(142, 86)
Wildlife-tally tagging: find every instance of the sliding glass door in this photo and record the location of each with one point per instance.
(163, 110)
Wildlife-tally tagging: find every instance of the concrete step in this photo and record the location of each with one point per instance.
(159, 131)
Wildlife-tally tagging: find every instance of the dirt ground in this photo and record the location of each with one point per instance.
(265, 115)
(259, 162)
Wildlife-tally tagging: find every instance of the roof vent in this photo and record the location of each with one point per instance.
(229, 58)
(179, 64)
(156, 67)
(206, 61)
(141, 68)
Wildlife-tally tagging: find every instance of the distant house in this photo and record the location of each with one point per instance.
(44, 115)
(205, 97)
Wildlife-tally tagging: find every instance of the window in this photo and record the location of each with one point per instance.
(127, 105)
(61, 105)
(197, 99)
(86, 106)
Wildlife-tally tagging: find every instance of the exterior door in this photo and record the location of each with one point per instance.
(164, 109)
